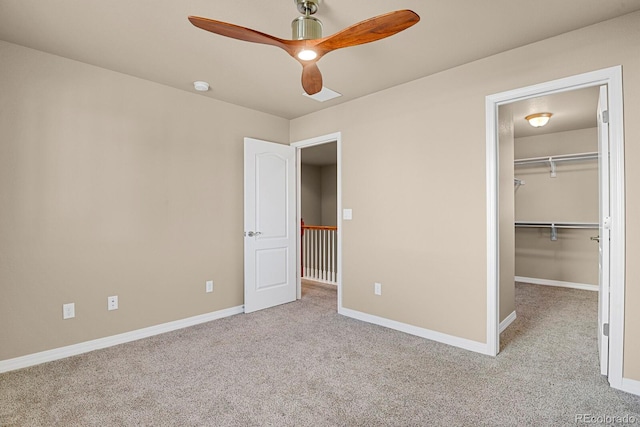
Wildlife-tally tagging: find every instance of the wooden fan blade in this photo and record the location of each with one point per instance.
(242, 33)
(311, 78)
(370, 30)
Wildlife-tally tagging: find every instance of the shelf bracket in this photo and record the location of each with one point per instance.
(552, 165)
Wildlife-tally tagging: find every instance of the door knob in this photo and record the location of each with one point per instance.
(253, 233)
(595, 238)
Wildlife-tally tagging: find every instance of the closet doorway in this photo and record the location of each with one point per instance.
(556, 190)
(586, 213)
(555, 205)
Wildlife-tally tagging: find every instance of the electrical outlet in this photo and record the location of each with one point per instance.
(112, 303)
(68, 310)
(209, 286)
(377, 288)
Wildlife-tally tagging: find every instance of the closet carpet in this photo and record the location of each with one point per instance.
(302, 364)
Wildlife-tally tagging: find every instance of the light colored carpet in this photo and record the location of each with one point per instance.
(302, 364)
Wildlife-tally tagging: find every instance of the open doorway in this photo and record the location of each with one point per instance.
(610, 328)
(549, 225)
(319, 221)
(319, 204)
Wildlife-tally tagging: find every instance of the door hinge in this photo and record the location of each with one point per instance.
(605, 116)
(605, 329)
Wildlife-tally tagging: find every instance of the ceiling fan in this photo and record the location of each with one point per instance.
(308, 45)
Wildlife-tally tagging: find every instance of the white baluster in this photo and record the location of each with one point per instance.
(320, 251)
(306, 253)
(333, 256)
(310, 253)
(315, 254)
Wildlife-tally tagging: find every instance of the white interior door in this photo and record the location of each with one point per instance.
(269, 224)
(604, 229)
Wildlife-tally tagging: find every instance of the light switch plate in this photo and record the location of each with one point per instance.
(347, 214)
(209, 286)
(68, 311)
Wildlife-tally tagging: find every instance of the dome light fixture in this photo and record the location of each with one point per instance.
(539, 119)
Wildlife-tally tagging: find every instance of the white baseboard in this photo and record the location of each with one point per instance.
(630, 386)
(84, 347)
(547, 282)
(507, 321)
(463, 343)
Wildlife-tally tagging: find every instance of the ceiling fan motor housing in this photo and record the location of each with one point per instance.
(306, 28)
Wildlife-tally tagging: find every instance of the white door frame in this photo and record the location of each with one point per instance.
(299, 145)
(612, 77)
(604, 239)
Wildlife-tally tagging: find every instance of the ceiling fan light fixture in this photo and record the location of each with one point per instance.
(307, 54)
(539, 119)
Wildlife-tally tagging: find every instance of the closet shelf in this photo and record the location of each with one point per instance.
(552, 160)
(559, 224)
(554, 226)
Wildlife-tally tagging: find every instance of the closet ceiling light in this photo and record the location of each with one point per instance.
(539, 119)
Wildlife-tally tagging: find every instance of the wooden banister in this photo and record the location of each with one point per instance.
(319, 227)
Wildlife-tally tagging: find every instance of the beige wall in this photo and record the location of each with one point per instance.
(319, 194)
(428, 206)
(311, 194)
(553, 144)
(571, 196)
(112, 185)
(571, 258)
(506, 212)
(329, 177)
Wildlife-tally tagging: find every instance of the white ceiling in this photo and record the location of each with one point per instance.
(154, 41)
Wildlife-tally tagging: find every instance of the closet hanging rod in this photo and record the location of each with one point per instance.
(558, 158)
(559, 224)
